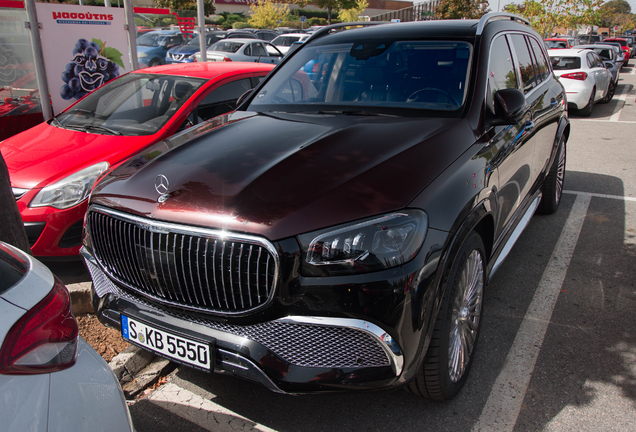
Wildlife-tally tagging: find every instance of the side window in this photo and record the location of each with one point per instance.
(501, 71)
(248, 50)
(259, 50)
(539, 56)
(223, 99)
(528, 78)
(597, 61)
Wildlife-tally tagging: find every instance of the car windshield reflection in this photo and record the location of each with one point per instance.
(135, 104)
(424, 75)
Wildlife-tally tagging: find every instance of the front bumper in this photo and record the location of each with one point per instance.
(286, 355)
(52, 232)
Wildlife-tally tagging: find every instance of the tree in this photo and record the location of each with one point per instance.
(617, 6)
(458, 9)
(266, 14)
(11, 225)
(329, 5)
(616, 12)
(175, 5)
(546, 15)
(351, 15)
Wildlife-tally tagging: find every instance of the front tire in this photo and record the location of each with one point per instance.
(552, 188)
(454, 339)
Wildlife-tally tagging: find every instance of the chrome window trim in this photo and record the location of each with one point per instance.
(169, 227)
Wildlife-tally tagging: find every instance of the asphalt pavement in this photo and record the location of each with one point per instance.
(557, 350)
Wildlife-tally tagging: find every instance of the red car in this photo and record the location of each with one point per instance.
(54, 165)
(559, 43)
(624, 46)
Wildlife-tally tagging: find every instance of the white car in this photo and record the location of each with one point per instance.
(284, 41)
(584, 76)
(241, 50)
(50, 378)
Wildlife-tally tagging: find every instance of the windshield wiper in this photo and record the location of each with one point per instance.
(102, 129)
(355, 112)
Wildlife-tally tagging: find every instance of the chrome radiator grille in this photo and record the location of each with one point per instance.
(203, 270)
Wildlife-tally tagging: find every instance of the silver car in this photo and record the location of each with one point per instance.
(242, 50)
(50, 378)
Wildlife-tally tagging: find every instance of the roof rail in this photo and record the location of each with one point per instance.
(492, 16)
(328, 29)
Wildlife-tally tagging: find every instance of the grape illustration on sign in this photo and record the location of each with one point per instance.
(92, 65)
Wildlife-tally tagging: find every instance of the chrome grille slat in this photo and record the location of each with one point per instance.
(202, 270)
(249, 259)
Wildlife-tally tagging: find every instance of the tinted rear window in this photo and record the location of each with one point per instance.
(565, 63)
(12, 268)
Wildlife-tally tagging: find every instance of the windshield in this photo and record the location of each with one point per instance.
(150, 40)
(423, 75)
(135, 104)
(556, 44)
(194, 41)
(565, 63)
(604, 53)
(226, 46)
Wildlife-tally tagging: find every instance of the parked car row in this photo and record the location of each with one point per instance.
(171, 46)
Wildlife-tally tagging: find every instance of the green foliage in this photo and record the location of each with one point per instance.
(316, 21)
(330, 5)
(546, 15)
(458, 9)
(351, 15)
(267, 14)
(227, 20)
(617, 12)
(309, 13)
(240, 25)
(617, 6)
(164, 21)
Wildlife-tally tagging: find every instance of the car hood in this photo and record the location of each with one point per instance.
(279, 175)
(184, 49)
(45, 154)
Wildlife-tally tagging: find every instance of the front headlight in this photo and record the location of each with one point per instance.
(71, 190)
(364, 246)
(142, 55)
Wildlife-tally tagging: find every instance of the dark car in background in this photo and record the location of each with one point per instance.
(336, 232)
(183, 53)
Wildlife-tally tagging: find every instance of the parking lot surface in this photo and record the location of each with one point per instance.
(557, 351)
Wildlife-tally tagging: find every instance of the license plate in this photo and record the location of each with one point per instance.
(167, 344)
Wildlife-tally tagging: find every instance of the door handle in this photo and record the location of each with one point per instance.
(528, 126)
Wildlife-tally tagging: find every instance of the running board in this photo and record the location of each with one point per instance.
(525, 220)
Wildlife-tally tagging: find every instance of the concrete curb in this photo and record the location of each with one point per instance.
(131, 366)
(81, 298)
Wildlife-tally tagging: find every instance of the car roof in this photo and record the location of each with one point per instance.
(558, 39)
(572, 52)
(206, 70)
(615, 39)
(165, 32)
(241, 40)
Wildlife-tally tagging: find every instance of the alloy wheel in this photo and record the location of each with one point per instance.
(466, 315)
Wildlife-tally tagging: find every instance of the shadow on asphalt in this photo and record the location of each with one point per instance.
(590, 345)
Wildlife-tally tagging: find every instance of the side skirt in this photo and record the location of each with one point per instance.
(523, 223)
